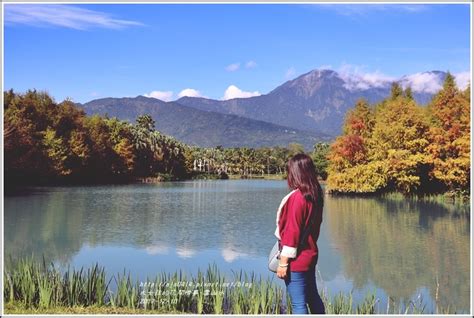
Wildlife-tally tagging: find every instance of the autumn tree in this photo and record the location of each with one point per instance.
(349, 169)
(399, 143)
(449, 136)
(23, 144)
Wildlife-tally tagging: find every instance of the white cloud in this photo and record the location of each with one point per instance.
(462, 79)
(366, 9)
(63, 16)
(157, 249)
(190, 92)
(163, 95)
(234, 92)
(422, 82)
(251, 64)
(232, 67)
(356, 78)
(230, 255)
(290, 73)
(184, 252)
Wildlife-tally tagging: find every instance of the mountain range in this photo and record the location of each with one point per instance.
(307, 109)
(316, 101)
(203, 128)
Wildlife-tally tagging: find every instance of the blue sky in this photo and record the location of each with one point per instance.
(222, 51)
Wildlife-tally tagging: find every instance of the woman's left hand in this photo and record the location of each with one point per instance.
(282, 272)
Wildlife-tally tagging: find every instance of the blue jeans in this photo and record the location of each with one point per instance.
(301, 286)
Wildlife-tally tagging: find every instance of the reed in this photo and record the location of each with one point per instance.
(340, 305)
(367, 307)
(32, 286)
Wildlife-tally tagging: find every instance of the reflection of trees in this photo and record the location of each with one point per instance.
(192, 216)
(329, 260)
(41, 224)
(402, 246)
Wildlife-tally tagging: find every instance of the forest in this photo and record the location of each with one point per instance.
(394, 145)
(398, 145)
(48, 142)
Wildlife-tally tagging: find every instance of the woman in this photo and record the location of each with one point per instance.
(298, 222)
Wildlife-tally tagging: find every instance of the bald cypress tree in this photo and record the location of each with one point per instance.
(395, 91)
(449, 136)
(350, 169)
(408, 93)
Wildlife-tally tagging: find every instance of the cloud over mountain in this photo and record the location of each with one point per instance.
(161, 95)
(190, 92)
(356, 78)
(463, 79)
(234, 92)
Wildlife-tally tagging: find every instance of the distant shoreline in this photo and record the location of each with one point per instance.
(15, 189)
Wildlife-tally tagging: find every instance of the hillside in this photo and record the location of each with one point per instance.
(202, 128)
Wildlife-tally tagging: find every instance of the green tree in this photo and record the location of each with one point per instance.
(320, 158)
(395, 91)
(408, 93)
(294, 149)
(56, 152)
(146, 122)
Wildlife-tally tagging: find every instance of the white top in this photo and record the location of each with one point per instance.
(287, 251)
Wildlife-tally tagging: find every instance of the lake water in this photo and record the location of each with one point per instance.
(397, 248)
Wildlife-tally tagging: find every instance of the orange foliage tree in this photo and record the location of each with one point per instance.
(449, 136)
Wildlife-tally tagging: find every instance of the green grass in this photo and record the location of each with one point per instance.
(33, 287)
(18, 309)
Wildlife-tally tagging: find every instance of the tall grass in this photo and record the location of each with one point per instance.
(34, 285)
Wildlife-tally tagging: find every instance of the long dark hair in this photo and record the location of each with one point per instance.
(302, 175)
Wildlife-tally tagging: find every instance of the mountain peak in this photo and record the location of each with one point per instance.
(316, 74)
(309, 83)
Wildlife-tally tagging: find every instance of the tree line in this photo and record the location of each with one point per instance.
(398, 145)
(48, 142)
(394, 145)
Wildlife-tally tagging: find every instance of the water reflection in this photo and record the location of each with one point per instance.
(402, 246)
(399, 247)
(187, 216)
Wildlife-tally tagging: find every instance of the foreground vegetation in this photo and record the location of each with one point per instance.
(34, 287)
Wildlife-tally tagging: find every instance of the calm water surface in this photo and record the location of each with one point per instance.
(397, 248)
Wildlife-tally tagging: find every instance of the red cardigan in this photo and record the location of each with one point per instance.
(294, 218)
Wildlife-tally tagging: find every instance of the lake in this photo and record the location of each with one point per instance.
(404, 249)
